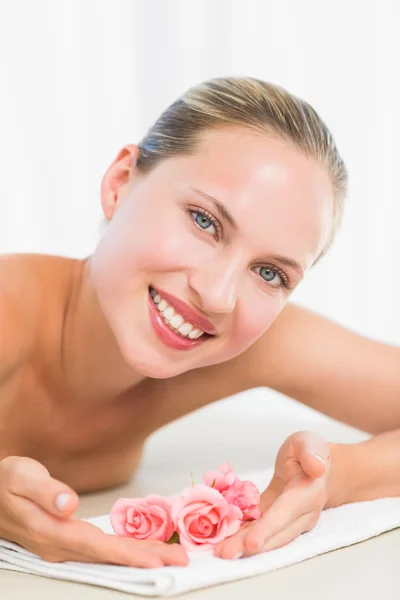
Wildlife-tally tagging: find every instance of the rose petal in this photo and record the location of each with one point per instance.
(203, 517)
(220, 480)
(251, 513)
(143, 518)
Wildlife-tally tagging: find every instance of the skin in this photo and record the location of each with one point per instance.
(84, 380)
(254, 176)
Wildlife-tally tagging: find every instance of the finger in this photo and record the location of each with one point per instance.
(164, 554)
(313, 465)
(289, 507)
(271, 493)
(37, 530)
(58, 540)
(89, 540)
(175, 554)
(232, 547)
(313, 452)
(301, 525)
(29, 479)
(238, 549)
(286, 509)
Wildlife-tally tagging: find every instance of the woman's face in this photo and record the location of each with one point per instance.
(167, 233)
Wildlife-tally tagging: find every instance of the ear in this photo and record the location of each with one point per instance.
(114, 184)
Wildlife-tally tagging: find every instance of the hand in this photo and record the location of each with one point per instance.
(293, 501)
(29, 516)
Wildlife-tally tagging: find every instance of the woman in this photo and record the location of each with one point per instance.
(214, 218)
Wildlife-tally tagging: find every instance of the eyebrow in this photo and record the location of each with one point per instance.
(220, 207)
(284, 260)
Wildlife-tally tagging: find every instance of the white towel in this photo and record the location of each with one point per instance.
(336, 528)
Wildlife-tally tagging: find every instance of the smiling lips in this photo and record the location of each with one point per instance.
(188, 314)
(176, 323)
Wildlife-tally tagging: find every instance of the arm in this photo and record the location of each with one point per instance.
(349, 378)
(364, 471)
(335, 371)
(311, 475)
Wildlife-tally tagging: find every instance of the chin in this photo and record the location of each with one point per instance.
(153, 368)
(153, 372)
(153, 362)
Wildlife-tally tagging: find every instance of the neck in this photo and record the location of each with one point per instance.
(92, 363)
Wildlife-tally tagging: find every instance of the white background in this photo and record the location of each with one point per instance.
(81, 78)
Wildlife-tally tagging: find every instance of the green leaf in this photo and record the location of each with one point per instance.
(174, 539)
(213, 483)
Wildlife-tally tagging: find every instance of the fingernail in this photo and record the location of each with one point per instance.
(320, 458)
(62, 500)
(237, 555)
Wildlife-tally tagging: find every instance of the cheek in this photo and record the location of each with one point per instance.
(170, 249)
(157, 243)
(252, 324)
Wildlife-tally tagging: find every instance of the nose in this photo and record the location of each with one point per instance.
(216, 286)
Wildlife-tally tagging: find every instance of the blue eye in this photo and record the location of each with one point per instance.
(202, 221)
(269, 274)
(273, 277)
(205, 220)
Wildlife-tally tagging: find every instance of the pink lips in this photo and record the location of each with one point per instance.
(189, 314)
(165, 333)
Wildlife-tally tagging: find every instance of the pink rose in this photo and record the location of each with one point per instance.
(246, 496)
(146, 518)
(243, 494)
(202, 518)
(221, 479)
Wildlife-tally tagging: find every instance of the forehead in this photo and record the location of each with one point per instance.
(282, 200)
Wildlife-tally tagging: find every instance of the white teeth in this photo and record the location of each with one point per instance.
(194, 334)
(162, 305)
(168, 313)
(185, 329)
(175, 321)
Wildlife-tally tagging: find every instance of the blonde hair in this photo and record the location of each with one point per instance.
(251, 103)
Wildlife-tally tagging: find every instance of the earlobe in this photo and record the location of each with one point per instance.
(116, 178)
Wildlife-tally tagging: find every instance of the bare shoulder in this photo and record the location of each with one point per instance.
(22, 292)
(325, 365)
(299, 345)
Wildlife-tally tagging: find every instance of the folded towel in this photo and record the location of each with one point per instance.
(336, 528)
